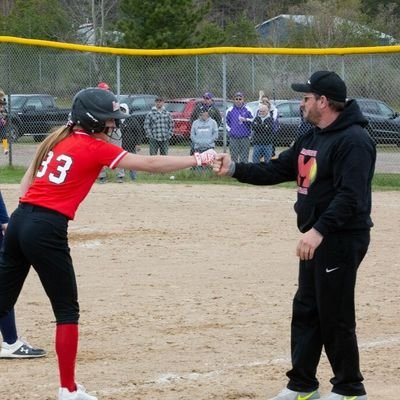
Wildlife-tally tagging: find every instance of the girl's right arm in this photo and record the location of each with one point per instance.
(165, 163)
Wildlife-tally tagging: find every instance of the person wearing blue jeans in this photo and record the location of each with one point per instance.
(263, 128)
(158, 126)
(12, 345)
(238, 121)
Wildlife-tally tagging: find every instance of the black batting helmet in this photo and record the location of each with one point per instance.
(92, 107)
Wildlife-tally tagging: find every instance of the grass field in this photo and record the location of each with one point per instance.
(380, 182)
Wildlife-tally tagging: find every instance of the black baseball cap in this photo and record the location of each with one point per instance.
(324, 83)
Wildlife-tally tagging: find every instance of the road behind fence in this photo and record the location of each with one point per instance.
(61, 69)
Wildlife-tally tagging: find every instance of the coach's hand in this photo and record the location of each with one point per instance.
(221, 164)
(308, 244)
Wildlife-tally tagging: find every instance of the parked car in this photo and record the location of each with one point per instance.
(288, 116)
(384, 122)
(34, 114)
(138, 102)
(181, 110)
(139, 106)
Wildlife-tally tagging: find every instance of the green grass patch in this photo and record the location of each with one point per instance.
(11, 174)
(189, 176)
(386, 182)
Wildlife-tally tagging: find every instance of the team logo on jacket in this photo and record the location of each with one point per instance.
(307, 170)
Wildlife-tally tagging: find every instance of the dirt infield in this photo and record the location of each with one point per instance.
(186, 293)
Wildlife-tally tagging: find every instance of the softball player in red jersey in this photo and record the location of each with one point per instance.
(65, 167)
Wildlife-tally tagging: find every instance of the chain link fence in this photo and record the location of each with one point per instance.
(41, 78)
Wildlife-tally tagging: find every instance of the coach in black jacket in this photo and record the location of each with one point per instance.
(333, 165)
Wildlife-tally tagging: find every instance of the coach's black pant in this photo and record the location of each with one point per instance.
(37, 236)
(324, 315)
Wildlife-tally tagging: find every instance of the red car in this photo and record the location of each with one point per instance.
(181, 110)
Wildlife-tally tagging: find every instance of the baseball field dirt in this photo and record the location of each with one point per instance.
(186, 292)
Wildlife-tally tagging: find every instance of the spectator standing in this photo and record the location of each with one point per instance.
(238, 124)
(208, 104)
(158, 126)
(264, 132)
(132, 136)
(204, 132)
(264, 99)
(12, 346)
(3, 122)
(333, 165)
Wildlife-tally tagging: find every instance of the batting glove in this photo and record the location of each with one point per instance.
(206, 157)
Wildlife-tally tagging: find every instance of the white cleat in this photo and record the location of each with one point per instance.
(79, 394)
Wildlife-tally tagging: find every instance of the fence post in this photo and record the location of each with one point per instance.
(196, 58)
(224, 96)
(118, 66)
(8, 109)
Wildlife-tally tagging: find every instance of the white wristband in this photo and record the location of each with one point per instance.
(197, 158)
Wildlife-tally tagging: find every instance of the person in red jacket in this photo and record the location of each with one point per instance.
(59, 178)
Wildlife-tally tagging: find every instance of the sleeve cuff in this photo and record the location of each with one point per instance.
(231, 169)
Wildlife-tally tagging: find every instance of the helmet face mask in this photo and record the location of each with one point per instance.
(92, 107)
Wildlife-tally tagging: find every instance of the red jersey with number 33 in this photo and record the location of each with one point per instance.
(69, 171)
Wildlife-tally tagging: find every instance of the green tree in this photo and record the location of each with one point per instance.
(209, 35)
(160, 24)
(38, 19)
(372, 7)
(387, 19)
(241, 32)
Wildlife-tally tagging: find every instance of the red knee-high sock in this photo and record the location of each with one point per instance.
(66, 349)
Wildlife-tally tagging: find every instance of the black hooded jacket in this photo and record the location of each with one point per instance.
(333, 168)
